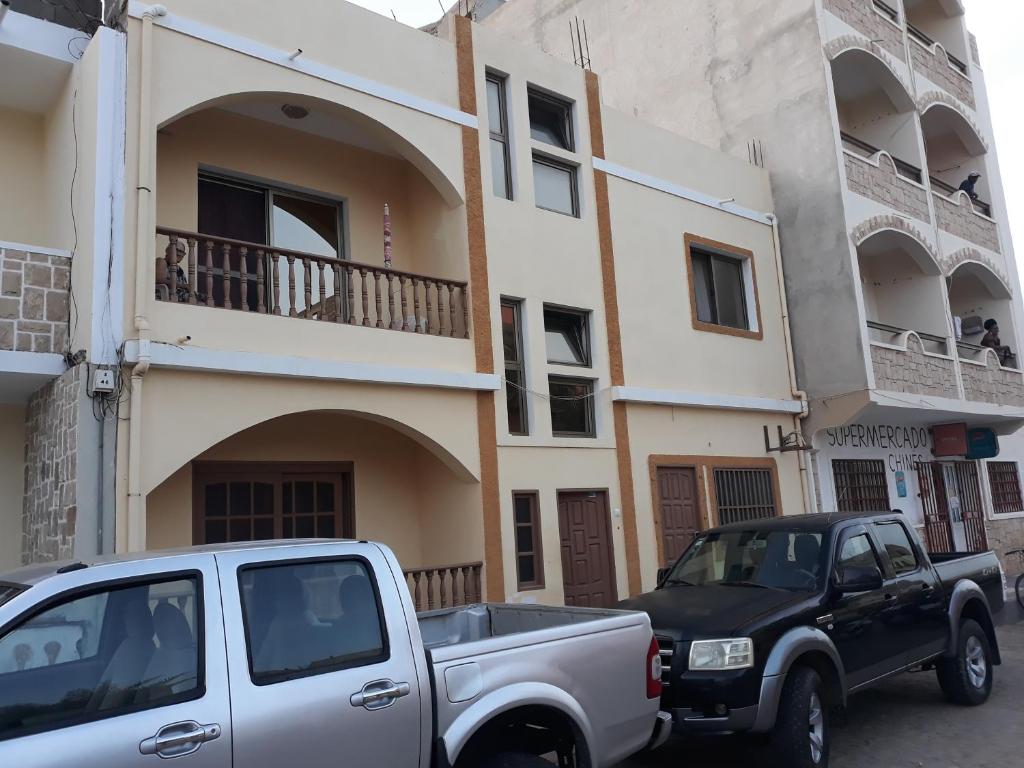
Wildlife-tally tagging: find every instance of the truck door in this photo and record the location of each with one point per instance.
(862, 621)
(118, 666)
(322, 665)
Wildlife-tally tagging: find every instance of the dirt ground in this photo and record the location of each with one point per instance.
(904, 723)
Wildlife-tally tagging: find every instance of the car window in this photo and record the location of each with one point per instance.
(897, 545)
(857, 552)
(310, 618)
(100, 654)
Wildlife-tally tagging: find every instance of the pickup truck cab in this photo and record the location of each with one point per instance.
(767, 627)
(306, 654)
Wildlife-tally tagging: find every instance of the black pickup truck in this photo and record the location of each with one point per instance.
(766, 627)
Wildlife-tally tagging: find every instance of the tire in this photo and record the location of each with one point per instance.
(967, 677)
(1020, 591)
(515, 760)
(801, 737)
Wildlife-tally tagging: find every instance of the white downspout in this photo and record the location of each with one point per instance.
(136, 535)
(806, 481)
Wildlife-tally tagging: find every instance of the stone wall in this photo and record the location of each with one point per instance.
(991, 383)
(51, 469)
(33, 301)
(957, 216)
(913, 371)
(862, 16)
(1006, 533)
(934, 64)
(882, 184)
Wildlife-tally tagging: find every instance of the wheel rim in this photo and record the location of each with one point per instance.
(976, 663)
(816, 728)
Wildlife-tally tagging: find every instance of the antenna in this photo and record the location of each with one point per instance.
(580, 43)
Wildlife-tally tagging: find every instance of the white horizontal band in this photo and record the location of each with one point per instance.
(705, 400)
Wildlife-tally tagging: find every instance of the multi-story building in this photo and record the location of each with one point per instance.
(869, 114)
(425, 289)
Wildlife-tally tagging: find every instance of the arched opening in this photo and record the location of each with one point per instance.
(325, 474)
(305, 185)
(955, 151)
(976, 295)
(876, 113)
(902, 288)
(939, 21)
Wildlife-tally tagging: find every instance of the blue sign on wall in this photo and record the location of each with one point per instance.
(901, 485)
(982, 444)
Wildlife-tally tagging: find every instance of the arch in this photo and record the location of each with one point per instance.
(344, 116)
(902, 233)
(972, 262)
(969, 131)
(873, 55)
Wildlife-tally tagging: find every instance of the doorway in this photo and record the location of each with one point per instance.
(253, 501)
(679, 511)
(588, 564)
(953, 512)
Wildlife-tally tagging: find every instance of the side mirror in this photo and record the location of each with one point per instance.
(852, 578)
(663, 574)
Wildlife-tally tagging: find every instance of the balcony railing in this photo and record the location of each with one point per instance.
(886, 334)
(444, 586)
(985, 209)
(195, 268)
(927, 42)
(887, 10)
(864, 149)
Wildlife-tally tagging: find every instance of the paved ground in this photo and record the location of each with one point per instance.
(904, 723)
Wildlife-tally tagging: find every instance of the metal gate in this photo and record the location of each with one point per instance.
(938, 523)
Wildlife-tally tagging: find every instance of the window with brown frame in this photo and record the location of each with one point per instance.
(861, 485)
(529, 562)
(515, 367)
(723, 288)
(1004, 478)
(497, 118)
(743, 495)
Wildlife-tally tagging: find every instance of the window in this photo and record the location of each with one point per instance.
(554, 185)
(566, 336)
(515, 367)
(719, 290)
(101, 654)
(861, 485)
(529, 563)
(572, 406)
(897, 546)
(744, 494)
(1004, 478)
(857, 552)
(311, 618)
(497, 118)
(550, 120)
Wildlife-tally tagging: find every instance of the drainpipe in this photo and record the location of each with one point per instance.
(136, 534)
(806, 481)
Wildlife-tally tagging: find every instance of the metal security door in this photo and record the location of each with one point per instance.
(938, 535)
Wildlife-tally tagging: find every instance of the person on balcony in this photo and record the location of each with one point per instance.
(968, 184)
(992, 341)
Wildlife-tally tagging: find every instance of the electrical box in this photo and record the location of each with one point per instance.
(102, 380)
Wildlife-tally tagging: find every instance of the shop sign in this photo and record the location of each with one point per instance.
(906, 446)
(949, 440)
(982, 444)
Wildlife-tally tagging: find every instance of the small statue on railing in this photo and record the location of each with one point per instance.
(387, 236)
(174, 254)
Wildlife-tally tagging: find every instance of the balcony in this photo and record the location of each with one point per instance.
(875, 19)
(959, 216)
(986, 381)
(938, 47)
(222, 273)
(911, 362)
(879, 176)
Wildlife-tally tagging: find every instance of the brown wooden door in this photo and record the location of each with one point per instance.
(679, 507)
(588, 567)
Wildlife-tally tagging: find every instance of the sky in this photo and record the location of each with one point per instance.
(996, 23)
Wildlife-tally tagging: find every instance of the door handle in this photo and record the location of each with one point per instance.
(889, 598)
(928, 589)
(379, 694)
(179, 739)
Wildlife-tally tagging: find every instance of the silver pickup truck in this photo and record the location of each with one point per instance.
(307, 654)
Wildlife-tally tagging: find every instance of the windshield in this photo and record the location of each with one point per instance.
(770, 559)
(7, 591)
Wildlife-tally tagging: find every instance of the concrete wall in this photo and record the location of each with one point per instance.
(12, 483)
(22, 193)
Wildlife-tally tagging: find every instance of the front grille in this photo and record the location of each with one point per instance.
(666, 649)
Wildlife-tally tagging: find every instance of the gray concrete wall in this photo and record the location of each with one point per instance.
(724, 73)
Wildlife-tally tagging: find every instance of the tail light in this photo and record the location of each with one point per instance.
(653, 670)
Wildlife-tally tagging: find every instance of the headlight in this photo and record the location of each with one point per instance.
(735, 653)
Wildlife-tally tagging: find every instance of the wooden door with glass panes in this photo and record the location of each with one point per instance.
(256, 501)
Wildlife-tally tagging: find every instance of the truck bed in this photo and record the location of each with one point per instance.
(456, 626)
(981, 568)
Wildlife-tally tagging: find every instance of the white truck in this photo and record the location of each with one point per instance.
(307, 654)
